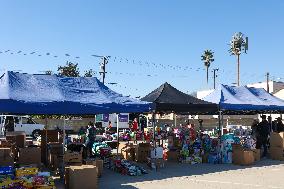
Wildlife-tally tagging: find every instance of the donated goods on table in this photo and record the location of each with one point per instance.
(25, 178)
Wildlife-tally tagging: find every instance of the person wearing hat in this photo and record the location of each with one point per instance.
(263, 132)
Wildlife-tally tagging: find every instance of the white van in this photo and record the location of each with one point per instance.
(20, 123)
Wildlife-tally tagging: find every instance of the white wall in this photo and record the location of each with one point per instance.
(273, 86)
(202, 94)
(280, 94)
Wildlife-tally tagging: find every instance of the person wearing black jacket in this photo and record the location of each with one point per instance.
(279, 125)
(263, 132)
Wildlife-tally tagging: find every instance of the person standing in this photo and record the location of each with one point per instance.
(200, 121)
(254, 128)
(263, 130)
(279, 125)
(135, 125)
(91, 136)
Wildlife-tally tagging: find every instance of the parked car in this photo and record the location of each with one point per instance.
(20, 123)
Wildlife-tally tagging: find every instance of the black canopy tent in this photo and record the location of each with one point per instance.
(166, 98)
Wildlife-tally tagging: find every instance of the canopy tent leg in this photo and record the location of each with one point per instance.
(220, 124)
(220, 134)
(154, 130)
(63, 142)
(270, 130)
(175, 117)
(117, 132)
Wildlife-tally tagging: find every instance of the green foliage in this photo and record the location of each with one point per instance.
(89, 73)
(207, 57)
(238, 44)
(69, 70)
(48, 72)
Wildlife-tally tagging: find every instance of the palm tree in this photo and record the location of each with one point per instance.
(207, 58)
(238, 44)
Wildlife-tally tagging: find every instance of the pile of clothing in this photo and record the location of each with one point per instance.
(101, 149)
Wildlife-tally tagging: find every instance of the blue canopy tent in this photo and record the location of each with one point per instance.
(244, 100)
(52, 94)
(233, 99)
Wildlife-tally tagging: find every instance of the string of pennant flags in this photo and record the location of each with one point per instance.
(118, 59)
(152, 64)
(115, 59)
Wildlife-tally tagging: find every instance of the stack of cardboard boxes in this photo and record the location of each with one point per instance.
(47, 137)
(17, 137)
(16, 150)
(142, 152)
(173, 155)
(73, 158)
(128, 151)
(6, 157)
(173, 146)
(29, 155)
(55, 155)
(277, 146)
(241, 156)
(98, 163)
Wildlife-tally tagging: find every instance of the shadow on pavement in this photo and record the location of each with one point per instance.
(113, 180)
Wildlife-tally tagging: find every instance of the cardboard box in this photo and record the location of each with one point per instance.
(72, 157)
(48, 136)
(144, 145)
(78, 177)
(205, 158)
(173, 156)
(17, 137)
(256, 154)
(170, 141)
(142, 152)
(5, 144)
(236, 147)
(6, 157)
(277, 153)
(30, 155)
(55, 148)
(54, 162)
(241, 157)
(128, 152)
(277, 139)
(74, 164)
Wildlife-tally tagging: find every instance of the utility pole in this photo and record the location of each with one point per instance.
(103, 68)
(238, 82)
(267, 81)
(215, 75)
